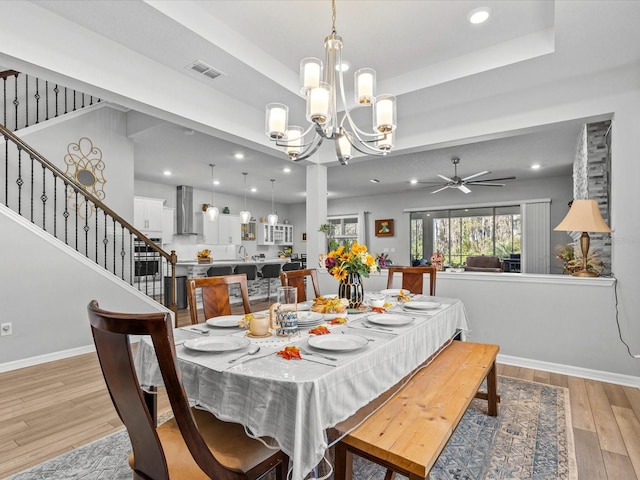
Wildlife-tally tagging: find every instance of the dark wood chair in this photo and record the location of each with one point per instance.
(413, 278)
(296, 278)
(194, 444)
(215, 295)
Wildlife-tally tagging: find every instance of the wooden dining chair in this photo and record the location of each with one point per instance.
(296, 278)
(413, 278)
(194, 444)
(215, 295)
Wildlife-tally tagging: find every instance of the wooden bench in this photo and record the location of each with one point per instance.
(408, 433)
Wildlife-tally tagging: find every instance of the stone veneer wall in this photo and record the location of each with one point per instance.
(591, 177)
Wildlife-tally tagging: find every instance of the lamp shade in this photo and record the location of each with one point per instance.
(583, 216)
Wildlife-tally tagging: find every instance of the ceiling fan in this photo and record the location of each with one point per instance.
(462, 183)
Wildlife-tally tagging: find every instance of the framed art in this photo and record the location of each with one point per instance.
(304, 236)
(384, 228)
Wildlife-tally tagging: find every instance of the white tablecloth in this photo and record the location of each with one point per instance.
(295, 401)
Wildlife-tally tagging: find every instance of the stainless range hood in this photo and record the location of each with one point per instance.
(184, 211)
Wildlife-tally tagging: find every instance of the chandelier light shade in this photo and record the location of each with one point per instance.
(212, 211)
(272, 218)
(322, 84)
(245, 215)
(584, 216)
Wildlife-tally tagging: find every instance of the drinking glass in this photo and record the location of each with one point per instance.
(287, 312)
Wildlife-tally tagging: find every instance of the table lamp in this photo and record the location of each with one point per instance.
(584, 216)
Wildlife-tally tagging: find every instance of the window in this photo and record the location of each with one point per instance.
(342, 231)
(458, 233)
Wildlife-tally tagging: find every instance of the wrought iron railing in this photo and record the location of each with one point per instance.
(28, 100)
(39, 191)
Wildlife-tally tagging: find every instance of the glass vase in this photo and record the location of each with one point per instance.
(352, 289)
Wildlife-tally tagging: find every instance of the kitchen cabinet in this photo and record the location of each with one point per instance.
(279, 234)
(266, 234)
(147, 214)
(225, 230)
(168, 224)
(287, 235)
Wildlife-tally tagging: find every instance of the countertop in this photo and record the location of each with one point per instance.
(192, 263)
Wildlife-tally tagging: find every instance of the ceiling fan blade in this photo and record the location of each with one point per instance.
(464, 189)
(475, 175)
(485, 184)
(440, 189)
(493, 179)
(444, 178)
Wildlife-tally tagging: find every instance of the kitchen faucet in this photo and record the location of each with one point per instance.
(244, 257)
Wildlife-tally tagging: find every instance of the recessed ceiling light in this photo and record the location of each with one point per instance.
(167, 172)
(374, 180)
(239, 156)
(479, 15)
(254, 189)
(535, 166)
(413, 181)
(286, 170)
(216, 182)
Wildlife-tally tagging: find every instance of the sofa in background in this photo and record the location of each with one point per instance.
(483, 263)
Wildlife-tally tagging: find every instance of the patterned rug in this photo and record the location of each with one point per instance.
(530, 439)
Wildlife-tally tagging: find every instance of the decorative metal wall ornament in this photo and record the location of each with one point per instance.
(84, 165)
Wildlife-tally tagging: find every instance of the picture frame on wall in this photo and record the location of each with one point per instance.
(384, 227)
(304, 236)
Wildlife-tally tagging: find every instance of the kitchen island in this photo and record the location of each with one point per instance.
(192, 269)
(258, 288)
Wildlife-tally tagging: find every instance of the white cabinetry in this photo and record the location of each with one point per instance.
(278, 234)
(287, 235)
(168, 224)
(225, 230)
(147, 214)
(266, 234)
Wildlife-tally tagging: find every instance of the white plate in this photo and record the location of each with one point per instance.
(394, 291)
(307, 318)
(390, 320)
(303, 306)
(338, 343)
(224, 321)
(217, 344)
(421, 305)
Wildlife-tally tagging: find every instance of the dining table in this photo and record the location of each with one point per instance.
(296, 403)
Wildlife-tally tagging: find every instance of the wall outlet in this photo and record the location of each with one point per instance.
(6, 329)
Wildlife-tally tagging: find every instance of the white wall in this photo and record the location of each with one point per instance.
(45, 291)
(106, 128)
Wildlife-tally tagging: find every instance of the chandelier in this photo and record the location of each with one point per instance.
(322, 84)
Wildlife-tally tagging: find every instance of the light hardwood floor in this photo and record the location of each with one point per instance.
(49, 409)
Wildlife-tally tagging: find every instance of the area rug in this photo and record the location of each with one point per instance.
(530, 439)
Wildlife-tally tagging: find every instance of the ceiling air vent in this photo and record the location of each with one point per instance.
(202, 68)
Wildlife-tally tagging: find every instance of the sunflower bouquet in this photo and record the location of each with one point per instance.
(341, 261)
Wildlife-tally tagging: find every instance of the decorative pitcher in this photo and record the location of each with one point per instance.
(284, 313)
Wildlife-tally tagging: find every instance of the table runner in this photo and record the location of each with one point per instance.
(296, 401)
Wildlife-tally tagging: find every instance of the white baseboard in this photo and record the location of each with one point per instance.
(587, 373)
(49, 357)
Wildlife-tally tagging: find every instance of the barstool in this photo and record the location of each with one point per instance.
(269, 271)
(251, 271)
(220, 271)
(291, 266)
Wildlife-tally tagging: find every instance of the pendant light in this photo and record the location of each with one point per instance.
(212, 212)
(272, 218)
(245, 215)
